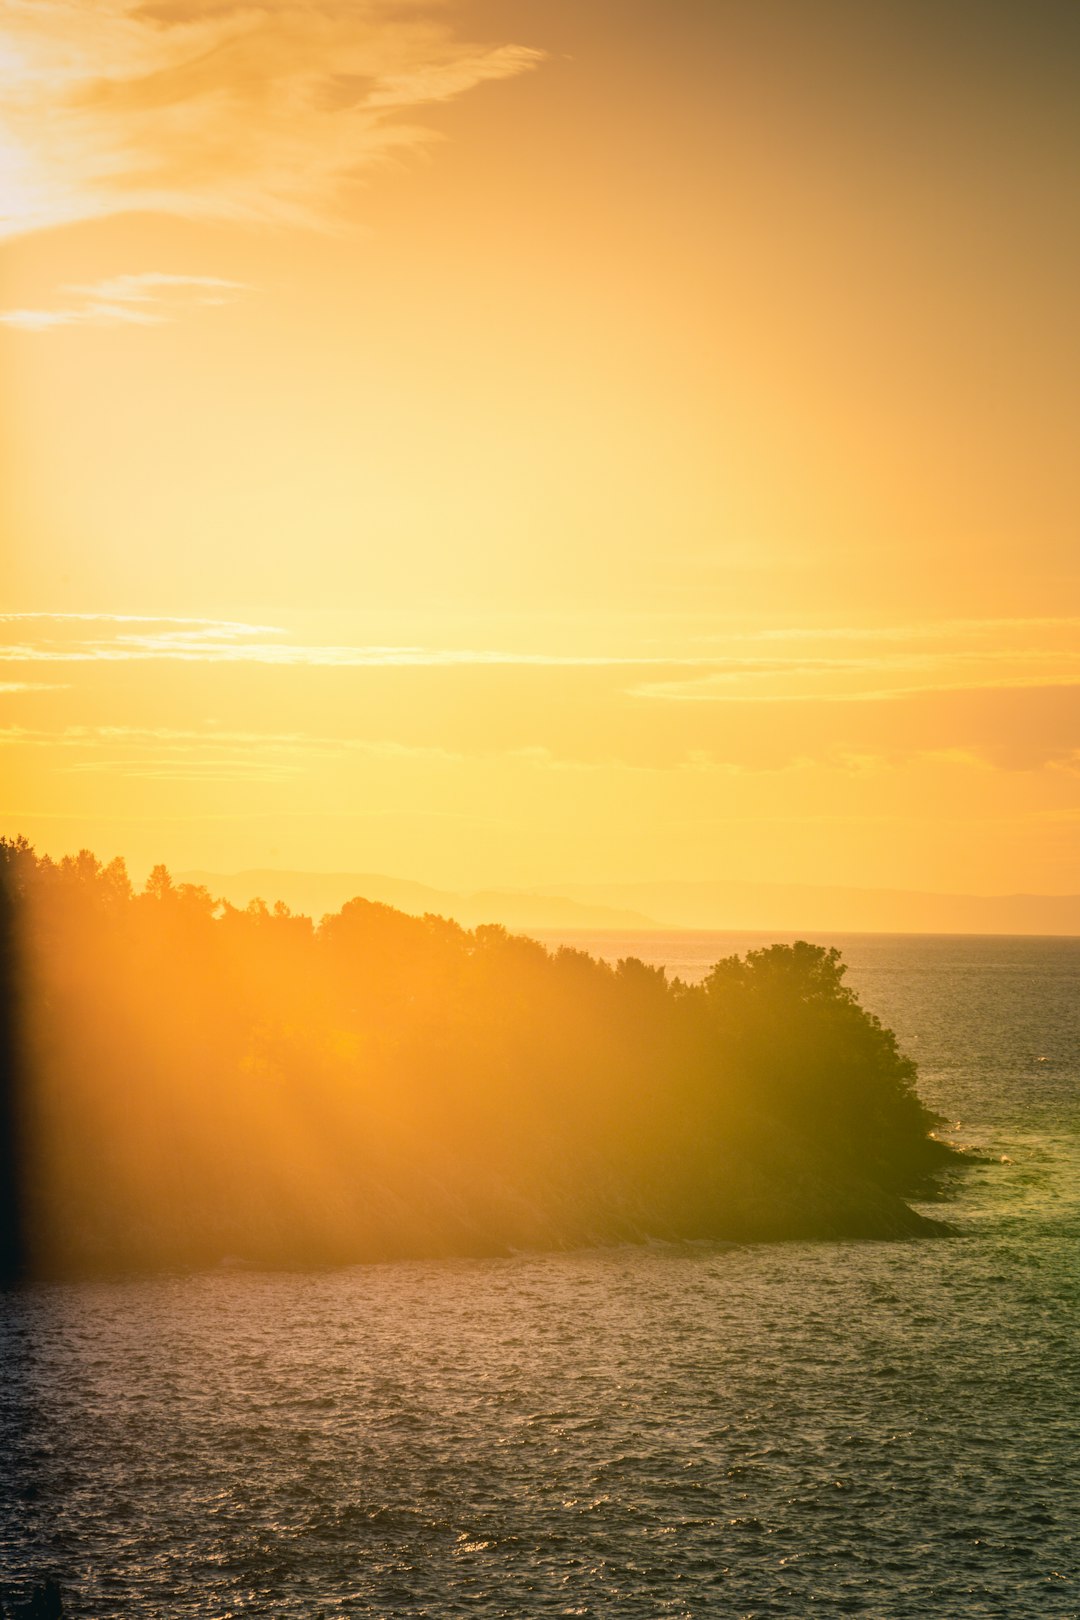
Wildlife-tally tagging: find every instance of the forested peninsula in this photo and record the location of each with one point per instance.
(188, 1083)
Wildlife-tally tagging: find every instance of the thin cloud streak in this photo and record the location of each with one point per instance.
(222, 626)
(698, 692)
(144, 649)
(924, 630)
(182, 741)
(8, 687)
(150, 298)
(904, 667)
(921, 724)
(163, 753)
(210, 628)
(715, 681)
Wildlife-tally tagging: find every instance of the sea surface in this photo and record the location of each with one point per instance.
(880, 1429)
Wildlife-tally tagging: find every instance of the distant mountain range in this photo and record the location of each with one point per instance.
(316, 893)
(823, 909)
(722, 906)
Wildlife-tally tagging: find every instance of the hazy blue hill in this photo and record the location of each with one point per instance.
(723, 906)
(791, 906)
(316, 893)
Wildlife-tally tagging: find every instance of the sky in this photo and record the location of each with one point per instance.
(543, 441)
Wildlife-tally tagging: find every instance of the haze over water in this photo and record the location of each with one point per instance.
(887, 1429)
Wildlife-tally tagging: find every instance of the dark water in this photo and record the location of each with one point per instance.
(884, 1429)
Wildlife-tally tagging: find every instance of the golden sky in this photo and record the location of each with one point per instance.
(545, 440)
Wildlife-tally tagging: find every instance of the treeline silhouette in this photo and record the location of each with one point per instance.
(189, 1082)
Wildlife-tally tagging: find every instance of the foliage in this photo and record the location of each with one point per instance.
(209, 1081)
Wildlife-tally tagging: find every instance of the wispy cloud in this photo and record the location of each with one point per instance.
(256, 112)
(184, 640)
(8, 687)
(232, 626)
(210, 753)
(752, 667)
(151, 298)
(729, 686)
(920, 630)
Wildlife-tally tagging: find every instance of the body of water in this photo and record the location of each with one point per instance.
(883, 1429)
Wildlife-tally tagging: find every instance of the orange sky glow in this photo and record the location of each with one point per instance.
(529, 442)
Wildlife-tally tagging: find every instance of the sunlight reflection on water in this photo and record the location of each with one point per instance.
(887, 1429)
